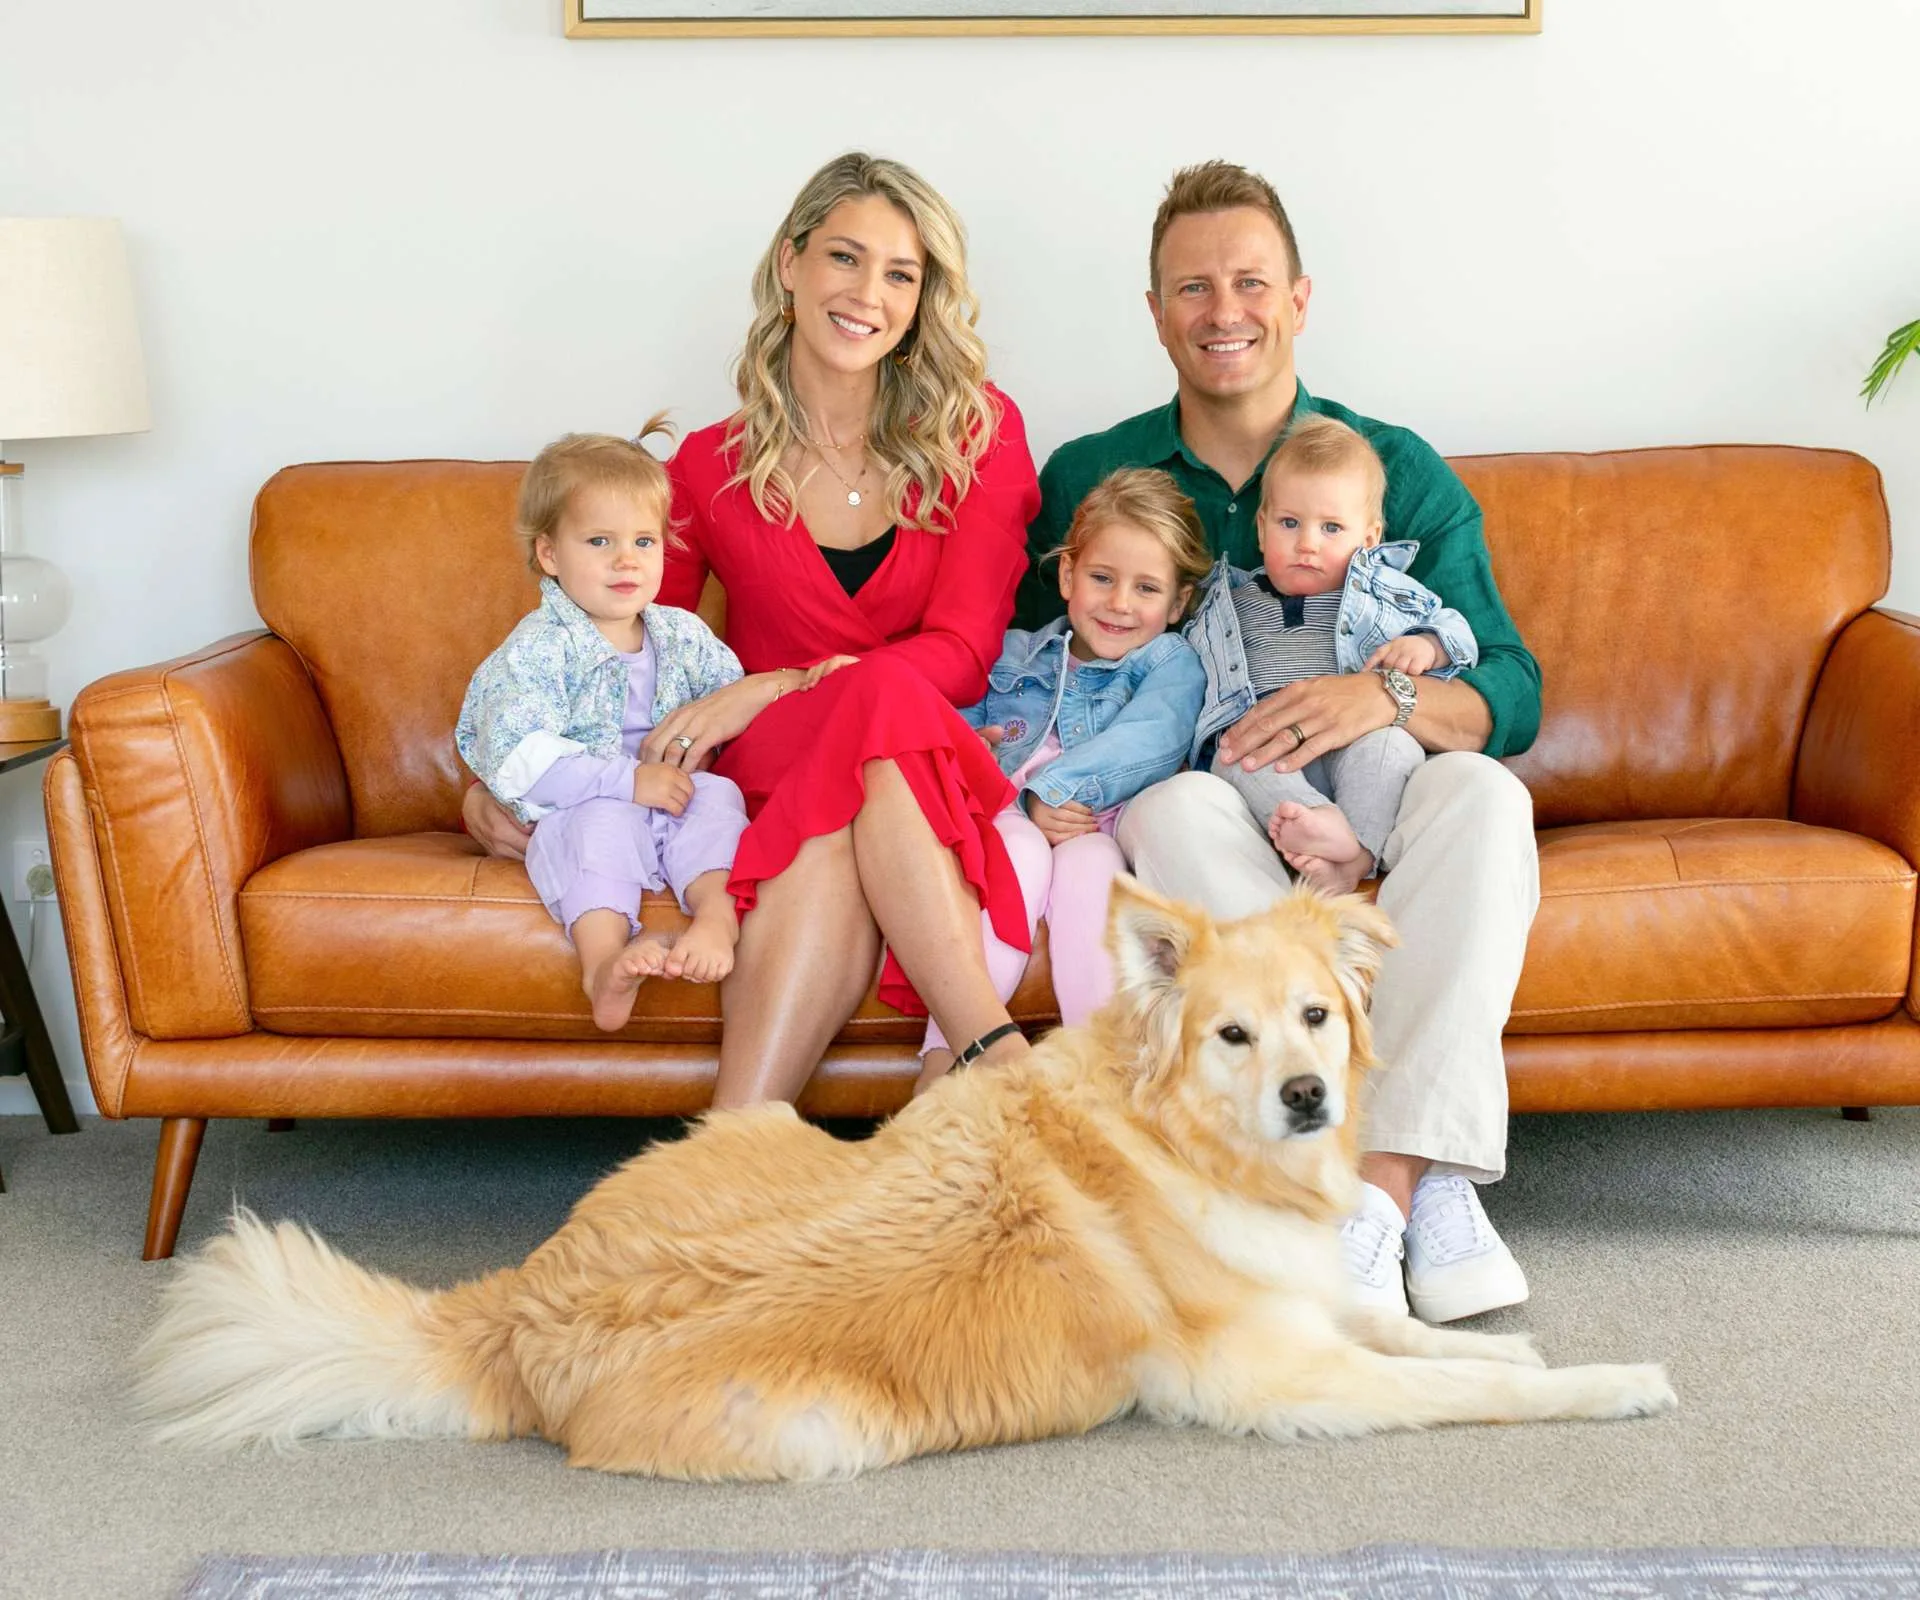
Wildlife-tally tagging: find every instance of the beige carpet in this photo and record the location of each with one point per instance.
(1772, 1259)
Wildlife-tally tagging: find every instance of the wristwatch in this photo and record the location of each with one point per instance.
(1400, 687)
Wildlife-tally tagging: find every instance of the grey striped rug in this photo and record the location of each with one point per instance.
(1378, 1572)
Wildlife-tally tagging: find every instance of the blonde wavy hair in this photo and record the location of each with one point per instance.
(933, 418)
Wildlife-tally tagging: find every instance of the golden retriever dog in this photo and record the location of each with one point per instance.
(1140, 1215)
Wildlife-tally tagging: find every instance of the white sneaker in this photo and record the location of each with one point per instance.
(1456, 1265)
(1372, 1243)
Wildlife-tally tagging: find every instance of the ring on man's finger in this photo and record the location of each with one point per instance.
(1299, 734)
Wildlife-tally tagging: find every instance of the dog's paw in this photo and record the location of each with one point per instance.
(1514, 1348)
(1638, 1391)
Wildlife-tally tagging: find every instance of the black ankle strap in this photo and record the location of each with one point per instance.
(984, 1043)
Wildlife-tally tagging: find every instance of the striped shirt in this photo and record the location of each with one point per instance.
(1286, 637)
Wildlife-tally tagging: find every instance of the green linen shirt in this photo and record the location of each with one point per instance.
(1426, 501)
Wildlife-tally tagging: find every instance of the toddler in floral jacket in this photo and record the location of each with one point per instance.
(554, 718)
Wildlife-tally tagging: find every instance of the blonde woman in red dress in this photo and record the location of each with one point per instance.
(866, 510)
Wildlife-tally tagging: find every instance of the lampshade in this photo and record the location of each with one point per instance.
(70, 359)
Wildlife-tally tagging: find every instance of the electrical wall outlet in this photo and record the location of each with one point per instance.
(32, 870)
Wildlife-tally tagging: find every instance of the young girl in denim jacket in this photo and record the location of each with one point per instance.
(553, 721)
(1087, 712)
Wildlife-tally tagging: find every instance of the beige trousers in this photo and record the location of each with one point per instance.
(1462, 884)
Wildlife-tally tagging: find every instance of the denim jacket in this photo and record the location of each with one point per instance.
(557, 688)
(1378, 603)
(1122, 725)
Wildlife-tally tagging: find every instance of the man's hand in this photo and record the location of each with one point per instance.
(1306, 719)
(1412, 653)
(821, 668)
(492, 826)
(1058, 824)
(663, 787)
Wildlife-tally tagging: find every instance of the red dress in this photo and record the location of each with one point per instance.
(926, 626)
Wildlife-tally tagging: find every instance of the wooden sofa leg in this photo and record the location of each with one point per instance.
(1856, 1113)
(279, 1124)
(172, 1177)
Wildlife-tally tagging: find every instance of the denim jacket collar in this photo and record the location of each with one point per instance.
(1059, 633)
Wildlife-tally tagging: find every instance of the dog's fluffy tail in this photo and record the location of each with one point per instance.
(269, 1336)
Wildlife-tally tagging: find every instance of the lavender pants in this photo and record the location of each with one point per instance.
(602, 853)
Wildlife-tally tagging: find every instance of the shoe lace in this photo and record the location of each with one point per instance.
(1370, 1247)
(1450, 1220)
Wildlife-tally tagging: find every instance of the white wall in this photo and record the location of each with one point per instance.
(438, 228)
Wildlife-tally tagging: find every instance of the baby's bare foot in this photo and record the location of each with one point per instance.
(614, 985)
(1319, 844)
(704, 952)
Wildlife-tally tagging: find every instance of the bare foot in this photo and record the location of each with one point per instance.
(1319, 844)
(704, 951)
(614, 984)
(935, 1064)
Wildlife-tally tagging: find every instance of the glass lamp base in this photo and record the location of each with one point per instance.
(28, 721)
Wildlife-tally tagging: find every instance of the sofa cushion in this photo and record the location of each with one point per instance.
(1730, 923)
(1681, 604)
(422, 936)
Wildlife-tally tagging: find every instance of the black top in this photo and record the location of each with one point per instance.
(854, 567)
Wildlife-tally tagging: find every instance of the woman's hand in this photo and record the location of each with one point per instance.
(492, 826)
(687, 734)
(1058, 824)
(821, 668)
(663, 787)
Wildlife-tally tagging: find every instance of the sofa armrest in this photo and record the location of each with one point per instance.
(1859, 765)
(197, 773)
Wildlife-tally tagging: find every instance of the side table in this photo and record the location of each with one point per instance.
(24, 1045)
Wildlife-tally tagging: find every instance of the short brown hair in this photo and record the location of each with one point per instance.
(589, 461)
(1148, 499)
(1219, 186)
(1320, 444)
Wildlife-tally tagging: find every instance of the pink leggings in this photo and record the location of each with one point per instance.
(1068, 884)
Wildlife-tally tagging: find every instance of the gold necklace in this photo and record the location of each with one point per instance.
(853, 494)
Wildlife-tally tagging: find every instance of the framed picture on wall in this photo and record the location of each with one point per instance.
(613, 19)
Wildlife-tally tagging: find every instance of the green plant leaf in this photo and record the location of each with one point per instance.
(1901, 343)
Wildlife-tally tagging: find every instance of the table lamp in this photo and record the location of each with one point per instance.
(70, 364)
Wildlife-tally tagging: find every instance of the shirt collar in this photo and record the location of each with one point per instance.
(1293, 607)
(1165, 444)
(587, 639)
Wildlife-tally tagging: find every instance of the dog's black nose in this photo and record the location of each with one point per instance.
(1304, 1095)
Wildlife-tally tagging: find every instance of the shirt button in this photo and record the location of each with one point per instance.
(1233, 505)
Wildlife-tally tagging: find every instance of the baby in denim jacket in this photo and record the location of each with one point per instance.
(1087, 712)
(1331, 598)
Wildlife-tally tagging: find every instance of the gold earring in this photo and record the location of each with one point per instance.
(786, 311)
(903, 351)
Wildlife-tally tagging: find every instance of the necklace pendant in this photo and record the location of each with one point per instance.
(853, 497)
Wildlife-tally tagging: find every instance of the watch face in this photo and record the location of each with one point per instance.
(1398, 681)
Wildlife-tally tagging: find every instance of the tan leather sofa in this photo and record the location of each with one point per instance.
(271, 912)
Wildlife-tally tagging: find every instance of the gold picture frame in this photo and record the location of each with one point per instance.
(628, 19)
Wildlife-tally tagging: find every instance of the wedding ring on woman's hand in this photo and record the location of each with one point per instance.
(683, 741)
(1299, 734)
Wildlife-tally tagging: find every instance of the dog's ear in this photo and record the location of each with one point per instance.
(1149, 937)
(1365, 935)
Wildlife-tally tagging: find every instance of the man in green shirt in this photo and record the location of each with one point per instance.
(1228, 296)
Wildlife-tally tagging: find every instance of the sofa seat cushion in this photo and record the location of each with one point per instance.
(424, 936)
(1714, 923)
